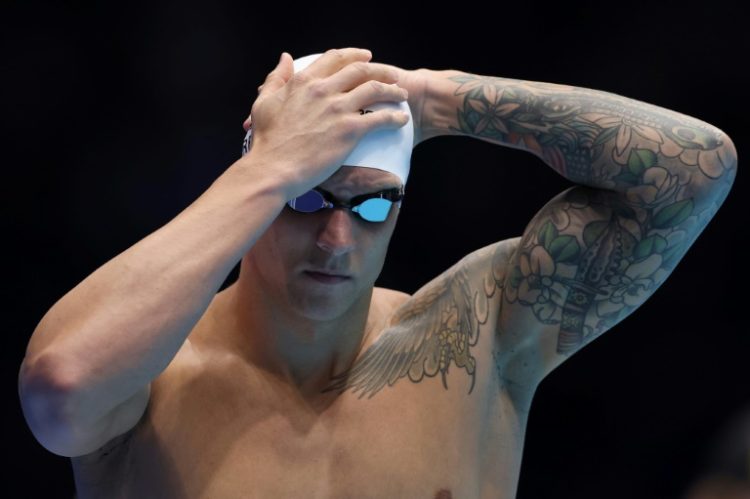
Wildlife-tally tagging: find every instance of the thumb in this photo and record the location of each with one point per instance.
(279, 76)
(276, 79)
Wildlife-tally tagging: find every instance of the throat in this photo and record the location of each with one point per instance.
(303, 356)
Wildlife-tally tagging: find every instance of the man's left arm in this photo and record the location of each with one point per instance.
(648, 181)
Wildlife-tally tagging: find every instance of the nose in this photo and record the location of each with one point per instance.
(336, 236)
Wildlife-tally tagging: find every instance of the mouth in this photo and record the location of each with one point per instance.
(326, 278)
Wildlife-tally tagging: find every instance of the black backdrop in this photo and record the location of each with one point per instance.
(119, 115)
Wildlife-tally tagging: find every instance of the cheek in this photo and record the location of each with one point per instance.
(278, 248)
(377, 248)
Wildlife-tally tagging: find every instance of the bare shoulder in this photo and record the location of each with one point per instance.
(390, 297)
(495, 257)
(437, 327)
(481, 270)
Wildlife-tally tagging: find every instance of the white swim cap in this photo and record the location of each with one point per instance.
(386, 149)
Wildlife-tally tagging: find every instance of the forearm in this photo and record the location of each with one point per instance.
(590, 137)
(121, 326)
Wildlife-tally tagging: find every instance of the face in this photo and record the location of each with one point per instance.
(335, 241)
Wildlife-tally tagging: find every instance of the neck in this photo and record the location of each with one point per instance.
(302, 352)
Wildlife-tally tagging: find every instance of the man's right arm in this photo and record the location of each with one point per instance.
(90, 361)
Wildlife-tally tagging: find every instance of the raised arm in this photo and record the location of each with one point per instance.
(89, 363)
(648, 181)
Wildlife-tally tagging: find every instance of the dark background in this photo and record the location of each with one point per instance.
(117, 115)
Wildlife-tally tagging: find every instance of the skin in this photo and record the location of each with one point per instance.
(291, 325)
(648, 180)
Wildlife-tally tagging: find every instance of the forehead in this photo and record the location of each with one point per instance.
(357, 180)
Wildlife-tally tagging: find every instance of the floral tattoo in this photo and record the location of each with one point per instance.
(649, 180)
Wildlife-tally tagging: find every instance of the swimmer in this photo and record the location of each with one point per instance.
(304, 379)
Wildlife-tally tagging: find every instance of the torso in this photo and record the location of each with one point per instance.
(216, 428)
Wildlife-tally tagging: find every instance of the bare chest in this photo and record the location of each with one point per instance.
(230, 431)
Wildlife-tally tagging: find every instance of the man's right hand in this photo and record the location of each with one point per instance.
(307, 123)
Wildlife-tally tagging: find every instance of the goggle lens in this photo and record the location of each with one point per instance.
(308, 202)
(374, 209)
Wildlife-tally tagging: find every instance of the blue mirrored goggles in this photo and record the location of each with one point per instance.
(373, 207)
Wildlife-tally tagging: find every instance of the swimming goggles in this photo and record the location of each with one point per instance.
(373, 207)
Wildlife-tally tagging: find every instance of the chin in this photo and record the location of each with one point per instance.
(323, 310)
(326, 305)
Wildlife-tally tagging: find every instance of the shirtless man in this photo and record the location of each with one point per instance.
(289, 383)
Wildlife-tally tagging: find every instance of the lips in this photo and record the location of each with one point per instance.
(327, 273)
(325, 277)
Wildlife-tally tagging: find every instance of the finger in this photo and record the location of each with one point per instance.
(357, 73)
(335, 59)
(373, 91)
(384, 118)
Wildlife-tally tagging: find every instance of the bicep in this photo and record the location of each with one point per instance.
(587, 260)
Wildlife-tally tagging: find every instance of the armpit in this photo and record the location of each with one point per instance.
(116, 445)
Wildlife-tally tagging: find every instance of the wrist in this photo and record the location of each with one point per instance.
(439, 104)
(256, 175)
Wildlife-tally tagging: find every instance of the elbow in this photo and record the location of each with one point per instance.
(43, 399)
(728, 156)
(717, 169)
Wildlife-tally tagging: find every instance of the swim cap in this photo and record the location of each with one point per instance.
(386, 149)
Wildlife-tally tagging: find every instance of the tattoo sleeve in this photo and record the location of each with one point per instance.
(590, 137)
(649, 180)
